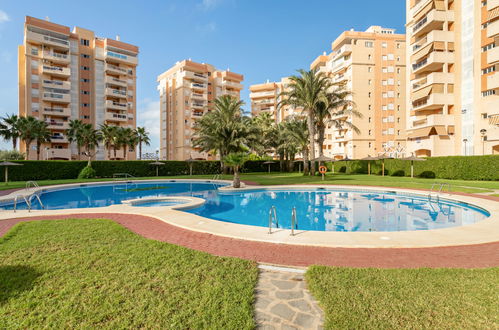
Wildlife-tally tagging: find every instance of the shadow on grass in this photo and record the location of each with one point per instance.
(16, 279)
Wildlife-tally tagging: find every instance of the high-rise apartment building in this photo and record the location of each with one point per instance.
(66, 75)
(371, 64)
(453, 99)
(265, 98)
(187, 91)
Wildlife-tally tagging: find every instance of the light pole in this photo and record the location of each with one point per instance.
(47, 153)
(483, 131)
(157, 154)
(465, 150)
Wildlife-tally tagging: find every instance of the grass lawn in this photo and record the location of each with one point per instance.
(406, 298)
(296, 178)
(97, 274)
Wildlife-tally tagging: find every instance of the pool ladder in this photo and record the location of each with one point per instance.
(216, 177)
(29, 197)
(439, 191)
(273, 220)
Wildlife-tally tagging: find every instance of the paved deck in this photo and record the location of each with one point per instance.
(464, 256)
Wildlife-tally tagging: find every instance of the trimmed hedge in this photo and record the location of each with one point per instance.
(451, 167)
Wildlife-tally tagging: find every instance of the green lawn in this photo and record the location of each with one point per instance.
(407, 298)
(296, 178)
(97, 274)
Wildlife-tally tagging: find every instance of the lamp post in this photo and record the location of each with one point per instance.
(483, 131)
(47, 153)
(465, 150)
(157, 154)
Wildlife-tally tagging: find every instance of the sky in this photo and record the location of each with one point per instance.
(261, 39)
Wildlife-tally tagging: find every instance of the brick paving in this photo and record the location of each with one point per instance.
(468, 256)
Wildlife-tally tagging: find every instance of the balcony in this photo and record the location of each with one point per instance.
(121, 58)
(116, 82)
(493, 55)
(264, 101)
(111, 116)
(419, 5)
(434, 20)
(232, 93)
(59, 139)
(432, 120)
(197, 86)
(59, 111)
(116, 93)
(56, 57)
(434, 62)
(56, 71)
(433, 101)
(197, 114)
(493, 29)
(117, 70)
(261, 94)
(56, 153)
(198, 105)
(433, 78)
(344, 50)
(195, 76)
(43, 39)
(56, 97)
(341, 65)
(57, 125)
(493, 81)
(56, 84)
(433, 36)
(232, 84)
(199, 96)
(116, 105)
(491, 4)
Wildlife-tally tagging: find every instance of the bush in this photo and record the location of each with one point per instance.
(343, 169)
(427, 175)
(398, 173)
(11, 155)
(87, 173)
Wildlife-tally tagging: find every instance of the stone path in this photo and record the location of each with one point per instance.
(283, 301)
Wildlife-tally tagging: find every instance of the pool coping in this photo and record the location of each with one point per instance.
(485, 231)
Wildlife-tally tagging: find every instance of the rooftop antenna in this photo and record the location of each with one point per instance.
(117, 37)
(47, 18)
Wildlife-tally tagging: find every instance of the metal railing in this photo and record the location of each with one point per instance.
(216, 177)
(294, 221)
(440, 189)
(118, 176)
(273, 218)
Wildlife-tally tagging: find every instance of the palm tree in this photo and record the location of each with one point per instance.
(42, 136)
(9, 129)
(235, 160)
(334, 109)
(108, 133)
(90, 139)
(142, 137)
(223, 129)
(117, 140)
(305, 92)
(28, 127)
(131, 141)
(74, 133)
(260, 137)
(298, 132)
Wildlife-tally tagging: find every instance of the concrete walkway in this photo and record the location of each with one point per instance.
(283, 301)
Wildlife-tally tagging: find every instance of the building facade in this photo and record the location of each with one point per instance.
(65, 75)
(371, 64)
(187, 91)
(453, 103)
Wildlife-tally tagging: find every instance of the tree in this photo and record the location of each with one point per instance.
(119, 138)
(305, 92)
(9, 129)
(28, 127)
(42, 135)
(260, 139)
(90, 139)
(108, 133)
(142, 137)
(334, 109)
(298, 131)
(236, 160)
(131, 141)
(223, 129)
(74, 133)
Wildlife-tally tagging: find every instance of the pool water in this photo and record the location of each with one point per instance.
(347, 210)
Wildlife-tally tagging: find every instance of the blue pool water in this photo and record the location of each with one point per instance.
(322, 210)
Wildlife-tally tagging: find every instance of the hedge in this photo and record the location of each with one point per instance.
(451, 167)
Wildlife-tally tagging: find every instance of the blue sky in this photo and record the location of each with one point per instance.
(261, 39)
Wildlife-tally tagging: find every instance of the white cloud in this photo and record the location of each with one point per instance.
(4, 17)
(209, 4)
(148, 117)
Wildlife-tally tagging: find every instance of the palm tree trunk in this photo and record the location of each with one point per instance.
(14, 143)
(237, 179)
(78, 148)
(140, 150)
(38, 151)
(305, 161)
(311, 140)
(124, 152)
(28, 146)
(108, 147)
(320, 140)
(114, 149)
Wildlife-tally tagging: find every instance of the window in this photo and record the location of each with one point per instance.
(369, 69)
(369, 132)
(385, 58)
(489, 92)
(86, 117)
(384, 44)
(369, 44)
(369, 56)
(398, 132)
(384, 70)
(85, 68)
(489, 69)
(398, 120)
(489, 46)
(34, 51)
(369, 82)
(85, 105)
(85, 55)
(398, 70)
(384, 83)
(398, 46)
(390, 57)
(84, 42)
(85, 80)
(85, 92)
(369, 94)
(369, 144)
(398, 107)
(369, 107)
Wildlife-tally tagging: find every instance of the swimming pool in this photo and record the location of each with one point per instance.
(345, 210)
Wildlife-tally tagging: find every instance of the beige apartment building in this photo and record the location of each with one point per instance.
(187, 91)
(453, 86)
(65, 75)
(371, 64)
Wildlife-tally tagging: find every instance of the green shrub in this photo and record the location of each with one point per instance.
(398, 173)
(11, 155)
(427, 175)
(87, 173)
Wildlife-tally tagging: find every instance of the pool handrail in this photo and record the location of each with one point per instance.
(273, 218)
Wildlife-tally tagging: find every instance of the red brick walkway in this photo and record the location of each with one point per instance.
(470, 256)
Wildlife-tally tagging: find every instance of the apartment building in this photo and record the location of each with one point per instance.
(187, 91)
(265, 98)
(453, 103)
(371, 64)
(65, 75)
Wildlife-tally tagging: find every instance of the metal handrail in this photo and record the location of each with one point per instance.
(31, 184)
(273, 218)
(444, 185)
(216, 177)
(126, 175)
(25, 200)
(294, 221)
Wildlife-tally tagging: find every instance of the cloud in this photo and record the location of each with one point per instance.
(148, 117)
(209, 4)
(207, 28)
(3, 17)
